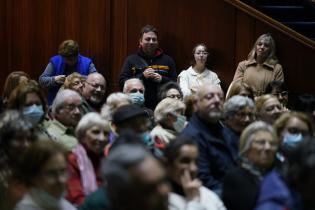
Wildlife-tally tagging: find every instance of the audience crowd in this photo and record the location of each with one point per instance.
(165, 142)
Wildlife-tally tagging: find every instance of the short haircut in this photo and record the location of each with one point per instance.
(236, 103)
(148, 28)
(172, 150)
(112, 102)
(129, 81)
(68, 48)
(249, 132)
(167, 106)
(166, 87)
(61, 97)
(89, 120)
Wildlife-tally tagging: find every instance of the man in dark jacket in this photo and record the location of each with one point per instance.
(216, 154)
(149, 64)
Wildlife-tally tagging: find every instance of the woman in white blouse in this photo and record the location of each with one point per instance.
(197, 74)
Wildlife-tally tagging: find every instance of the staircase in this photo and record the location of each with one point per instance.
(298, 15)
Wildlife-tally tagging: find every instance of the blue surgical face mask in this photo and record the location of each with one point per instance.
(180, 123)
(290, 140)
(137, 98)
(33, 113)
(146, 138)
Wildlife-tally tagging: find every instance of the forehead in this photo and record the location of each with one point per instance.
(172, 91)
(188, 151)
(271, 102)
(200, 48)
(72, 100)
(262, 135)
(148, 171)
(210, 89)
(149, 34)
(264, 40)
(96, 78)
(296, 122)
(135, 84)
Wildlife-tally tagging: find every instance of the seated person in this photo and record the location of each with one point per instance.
(170, 90)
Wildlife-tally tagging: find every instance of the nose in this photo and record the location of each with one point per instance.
(101, 137)
(193, 168)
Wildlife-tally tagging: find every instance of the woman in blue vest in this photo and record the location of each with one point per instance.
(60, 66)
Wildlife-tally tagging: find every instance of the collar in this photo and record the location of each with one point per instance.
(254, 62)
(157, 53)
(192, 72)
(63, 128)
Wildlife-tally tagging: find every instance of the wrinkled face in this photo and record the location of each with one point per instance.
(271, 110)
(210, 103)
(69, 113)
(135, 87)
(263, 48)
(149, 43)
(262, 150)
(184, 162)
(77, 85)
(31, 99)
(295, 126)
(71, 61)
(53, 176)
(200, 55)
(173, 93)
(241, 119)
(151, 185)
(96, 138)
(94, 89)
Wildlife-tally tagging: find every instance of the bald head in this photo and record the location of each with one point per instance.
(94, 88)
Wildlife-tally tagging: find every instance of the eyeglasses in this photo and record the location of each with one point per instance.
(72, 107)
(263, 143)
(174, 96)
(282, 94)
(201, 53)
(245, 114)
(96, 86)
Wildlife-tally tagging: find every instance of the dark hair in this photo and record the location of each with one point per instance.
(173, 148)
(166, 87)
(300, 162)
(12, 81)
(305, 103)
(148, 28)
(276, 84)
(193, 61)
(37, 156)
(68, 48)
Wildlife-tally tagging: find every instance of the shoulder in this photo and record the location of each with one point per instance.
(185, 72)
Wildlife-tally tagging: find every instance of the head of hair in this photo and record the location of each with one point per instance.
(130, 81)
(190, 102)
(18, 96)
(69, 80)
(68, 48)
(236, 103)
(193, 61)
(38, 154)
(173, 148)
(271, 58)
(89, 120)
(146, 29)
(281, 122)
(276, 85)
(249, 132)
(236, 88)
(167, 106)
(12, 81)
(112, 103)
(13, 125)
(261, 100)
(166, 87)
(61, 97)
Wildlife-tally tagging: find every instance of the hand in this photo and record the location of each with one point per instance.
(191, 187)
(157, 77)
(149, 73)
(60, 79)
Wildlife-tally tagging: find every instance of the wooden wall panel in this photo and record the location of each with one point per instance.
(108, 30)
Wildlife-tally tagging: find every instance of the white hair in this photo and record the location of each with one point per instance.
(61, 96)
(166, 106)
(111, 104)
(129, 81)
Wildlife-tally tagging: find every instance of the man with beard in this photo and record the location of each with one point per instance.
(216, 155)
(94, 92)
(150, 64)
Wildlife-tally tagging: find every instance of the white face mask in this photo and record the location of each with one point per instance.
(180, 123)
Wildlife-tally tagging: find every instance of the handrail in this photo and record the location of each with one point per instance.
(271, 22)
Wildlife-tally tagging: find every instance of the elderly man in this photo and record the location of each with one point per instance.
(94, 92)
(66, 113)
(238, 112)
(135, 89)
(216, 155)
(150, 65)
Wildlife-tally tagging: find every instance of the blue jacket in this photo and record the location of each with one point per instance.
(276, 195)
(216, 154)
(58, 63)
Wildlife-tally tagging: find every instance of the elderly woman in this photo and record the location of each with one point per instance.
(198, 73)
(268, 108)
(170, 90)
(113, 102)
(46, 177)
(170, 119)
(16, 134)
(84, 160)
(258, 147)
(238, 112)
(261, 66)
(187, 191)
(240, 88)
(65, 63)
(74, 82)
(291, 127)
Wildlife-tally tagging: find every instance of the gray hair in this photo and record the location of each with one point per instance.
(111, 104)
(236, 103)
(127, 82)
(249, 132)
(89, 120)
(166, 106)
(61, 97)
